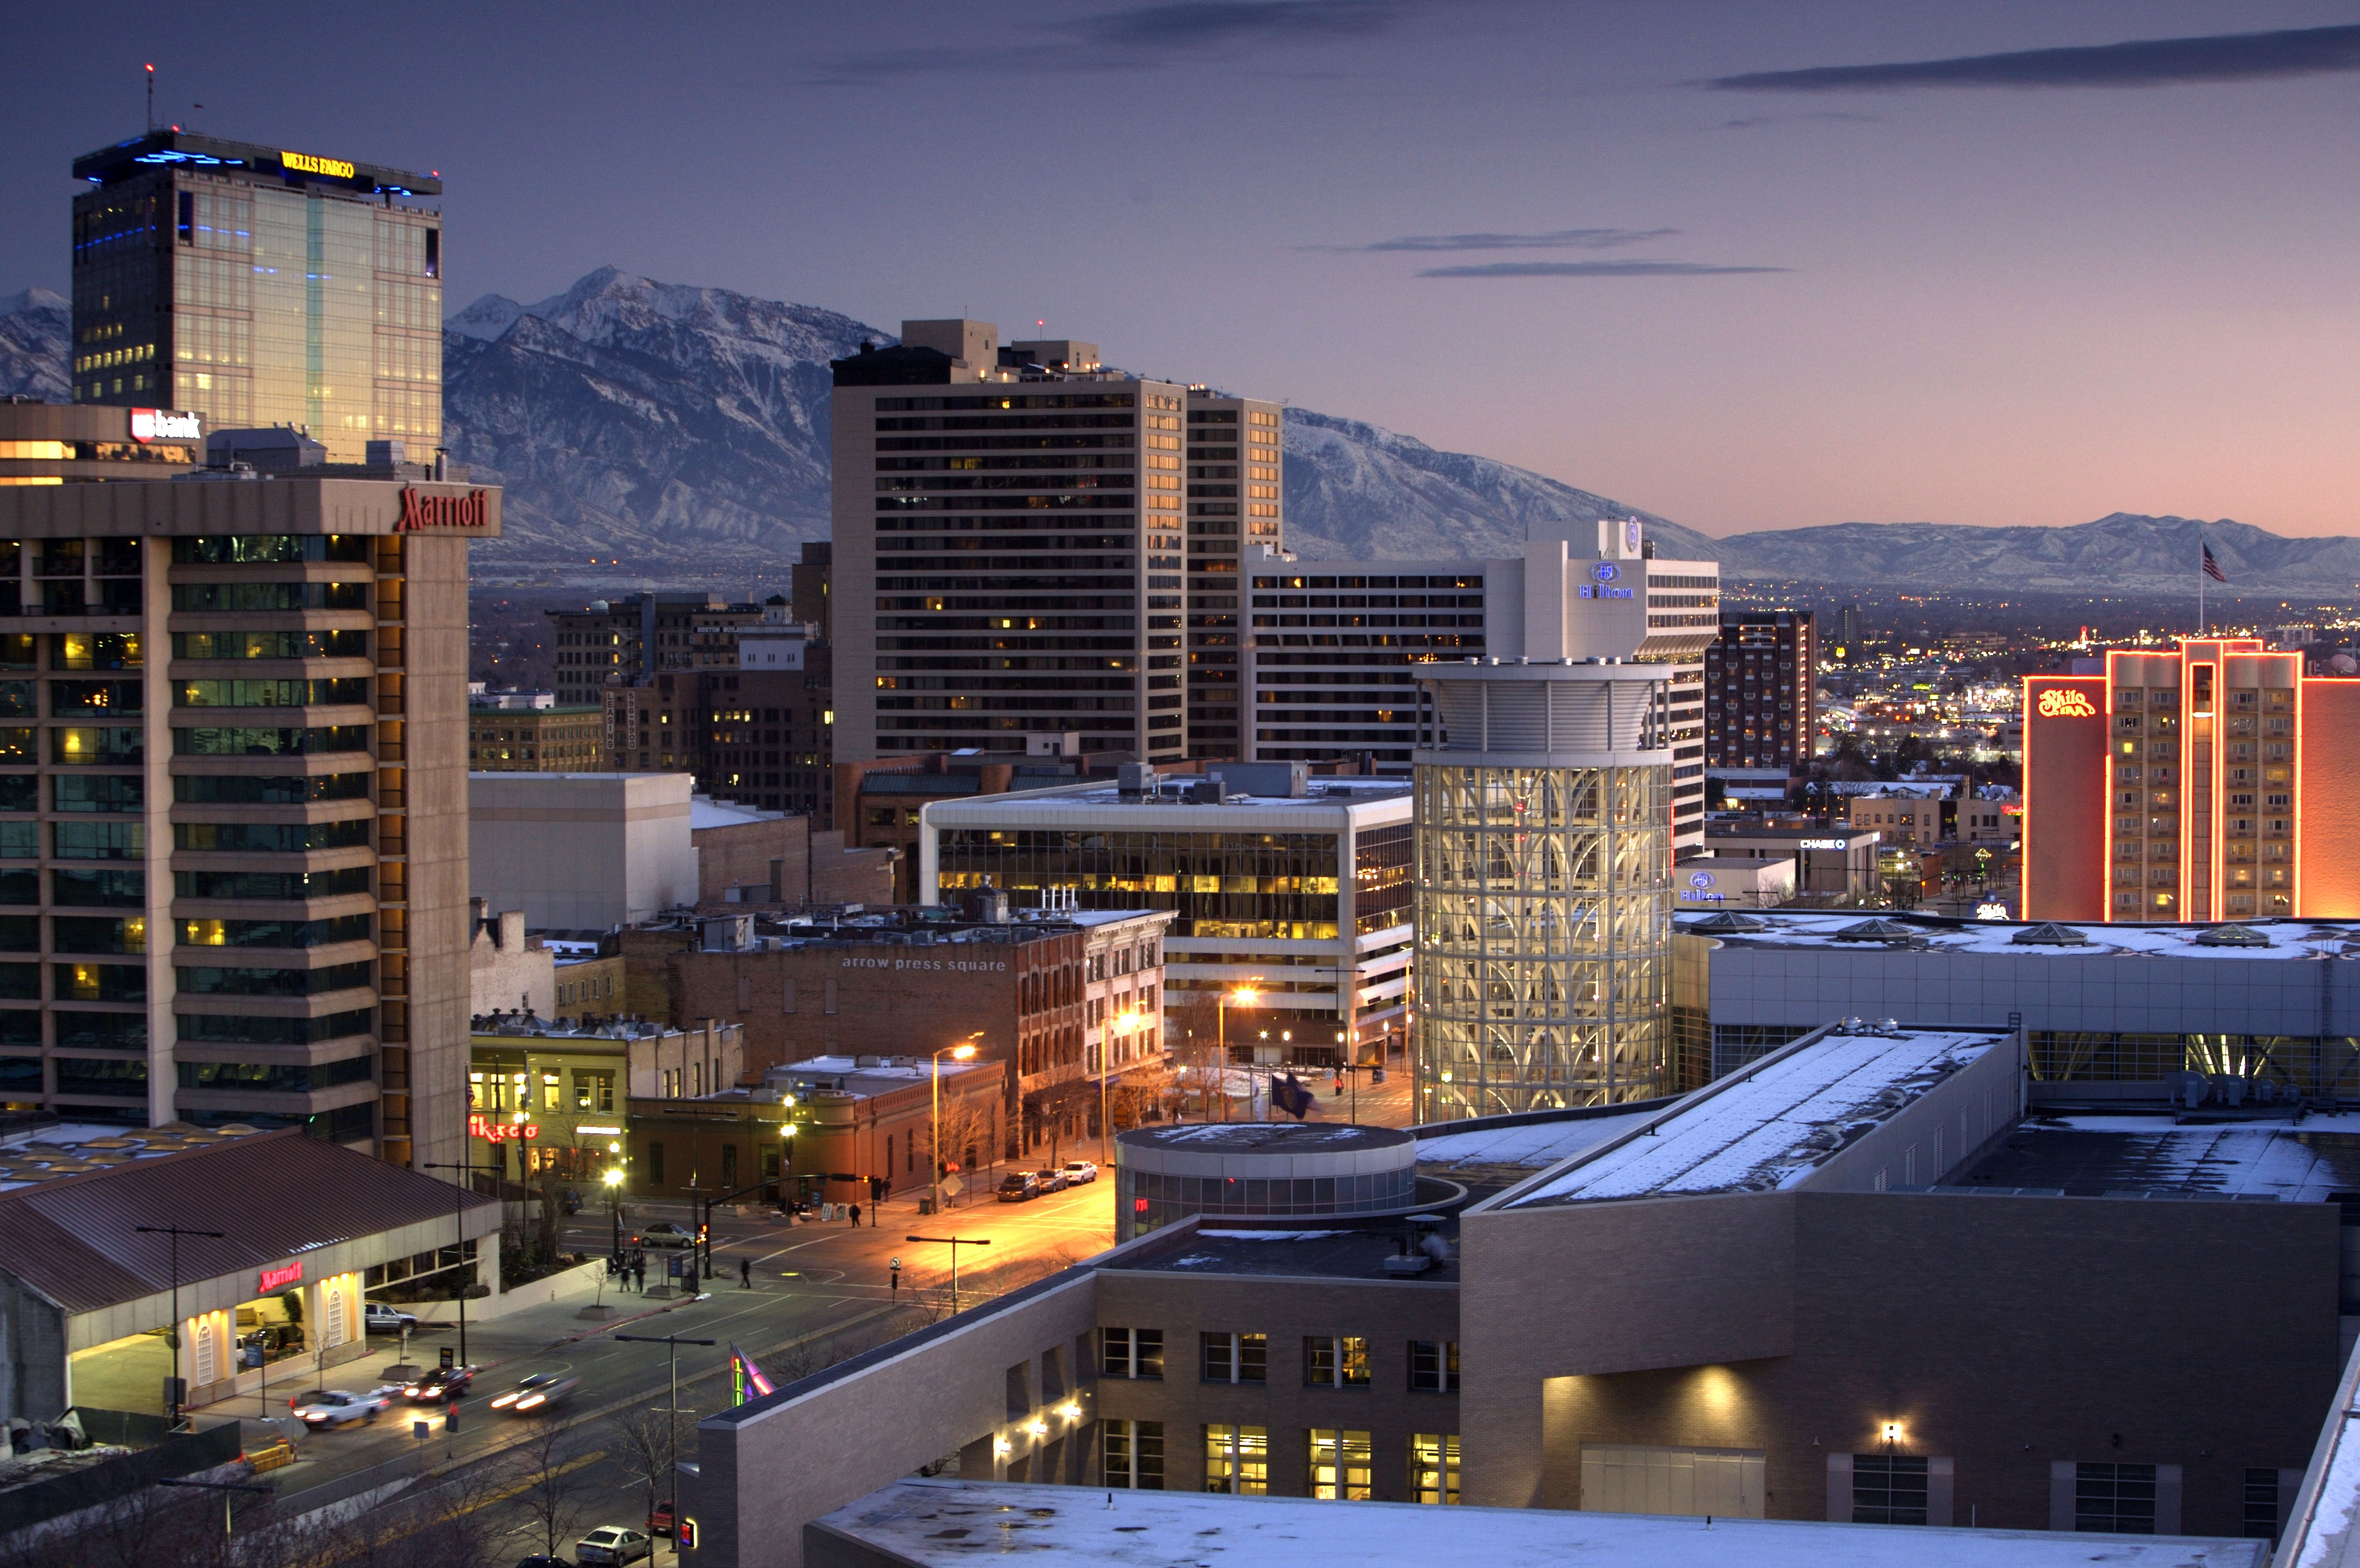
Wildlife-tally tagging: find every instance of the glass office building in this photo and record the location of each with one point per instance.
(1544, 851)
(256, 286)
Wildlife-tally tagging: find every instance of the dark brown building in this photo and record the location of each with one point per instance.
(1043, 993)
(1761, 691)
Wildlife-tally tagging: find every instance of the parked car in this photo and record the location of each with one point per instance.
(613, 1543)
(1051, 1180)
(659, 1519)
(1077, 1172)
(1019, 1187)
(667, 1234)
(340, 1407)
(439, 1386)
(537, 1393)
(377, 1317)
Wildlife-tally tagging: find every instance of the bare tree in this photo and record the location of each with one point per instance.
(966, 1135)
(550, 1489)
(646, 1441)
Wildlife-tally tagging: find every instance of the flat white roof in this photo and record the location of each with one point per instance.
(1537, 1145)
(1771, 1127)
(943, 1522)
(2290, 939)
(704, 811)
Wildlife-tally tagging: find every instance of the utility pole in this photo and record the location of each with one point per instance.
(179, 1390)
(672, 1413)
(459, 1219)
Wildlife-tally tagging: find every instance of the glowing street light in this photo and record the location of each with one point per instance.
(963, 1051)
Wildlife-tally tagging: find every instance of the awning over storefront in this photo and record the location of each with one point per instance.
(291, 1209)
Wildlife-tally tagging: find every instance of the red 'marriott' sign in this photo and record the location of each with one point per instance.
(273, 1278)
(419, 512)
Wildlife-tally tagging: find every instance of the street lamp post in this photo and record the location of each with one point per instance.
(671, 1415)
(962, 1051)
(459, 1219)
(1129, 1022)
(614, 1179)
(1244, 997)
(172, 1336)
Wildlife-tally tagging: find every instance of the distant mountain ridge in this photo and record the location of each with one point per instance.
(646, 430)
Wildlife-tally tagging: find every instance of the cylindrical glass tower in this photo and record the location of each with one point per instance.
(1543, 853)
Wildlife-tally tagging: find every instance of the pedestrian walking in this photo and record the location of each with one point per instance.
(854, 1209)
(746, 1273)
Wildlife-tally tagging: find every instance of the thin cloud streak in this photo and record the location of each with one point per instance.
(1594, 269)
(2143, 63)
(1555, 239)
(1148, 38)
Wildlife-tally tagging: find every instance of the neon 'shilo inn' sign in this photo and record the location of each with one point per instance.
(2063, 702)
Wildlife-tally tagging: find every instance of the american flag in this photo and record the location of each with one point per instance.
(2212, 566)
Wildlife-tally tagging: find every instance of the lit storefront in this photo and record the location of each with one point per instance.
(281, 1239)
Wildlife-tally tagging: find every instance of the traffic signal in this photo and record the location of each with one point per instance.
(684, 1535)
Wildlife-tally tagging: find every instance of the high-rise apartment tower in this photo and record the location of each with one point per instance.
(1028, 542)
(260, 286)
(1761, 691)
(2214, 782)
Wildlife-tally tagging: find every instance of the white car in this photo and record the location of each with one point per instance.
(340, 1407)
(613, 1543)
(1077, 1172)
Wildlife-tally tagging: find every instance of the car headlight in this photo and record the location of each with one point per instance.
(411, 1393)
(529, 1401)
(504, 1401)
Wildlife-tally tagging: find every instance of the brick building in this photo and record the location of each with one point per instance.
(1033, 990)
(537, 740)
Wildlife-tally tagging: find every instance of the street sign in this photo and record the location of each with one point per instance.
(450, 1359)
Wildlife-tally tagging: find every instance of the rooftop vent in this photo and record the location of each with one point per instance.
(2232, 936)
(1877, 930)
(1727, 920)
(2049, 933)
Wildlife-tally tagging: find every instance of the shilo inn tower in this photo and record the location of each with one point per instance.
(1544, 854)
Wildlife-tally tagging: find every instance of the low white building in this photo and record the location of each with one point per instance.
(581, 851)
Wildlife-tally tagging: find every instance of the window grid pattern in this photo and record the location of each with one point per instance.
(1544, 921)
(1237, 1460)
(1888, 1488)
(2118, 1499)
(1341, 1469)
(1135, 1454)
(1433, 1467)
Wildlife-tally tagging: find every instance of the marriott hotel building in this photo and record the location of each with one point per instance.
(2214, 782)
(233, 796)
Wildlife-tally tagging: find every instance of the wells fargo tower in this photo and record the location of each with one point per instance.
(261, 285)
(2214, 782)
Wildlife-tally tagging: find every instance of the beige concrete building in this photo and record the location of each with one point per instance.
(234, 823)
(506, 968)
(1011, 529)
(582, 851)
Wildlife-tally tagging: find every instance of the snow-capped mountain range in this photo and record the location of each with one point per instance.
(647, 429)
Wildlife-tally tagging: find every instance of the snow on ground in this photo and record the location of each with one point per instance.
(933, 1523)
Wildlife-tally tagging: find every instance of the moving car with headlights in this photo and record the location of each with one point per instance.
(667, 1234)
(1077, 1172)
(439, 1386)
(613, 1543)
(340, 1407)
(537, 1393)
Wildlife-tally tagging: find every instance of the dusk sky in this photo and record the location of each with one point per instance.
(1745, 265)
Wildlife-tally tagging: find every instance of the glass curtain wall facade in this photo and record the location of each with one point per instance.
(1543, 944)
(235, 295)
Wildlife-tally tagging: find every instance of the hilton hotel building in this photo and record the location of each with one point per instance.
(233, 790)
(1027, 542)
(2214, 782)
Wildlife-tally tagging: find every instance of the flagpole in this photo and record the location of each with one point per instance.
(2200, 579)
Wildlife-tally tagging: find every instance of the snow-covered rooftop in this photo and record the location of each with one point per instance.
(2097, 1156)
(1773, 1126)
(935, 1523)
(1537, 1145)
(704, 811)
(2287, 939)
